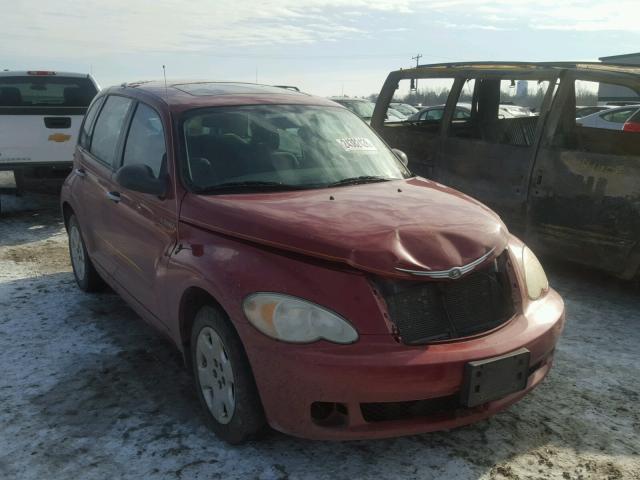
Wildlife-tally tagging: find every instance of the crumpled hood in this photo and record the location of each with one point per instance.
(413, 224)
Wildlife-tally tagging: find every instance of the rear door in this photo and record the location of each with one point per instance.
(143, 226)
(585, 195)
(92, 183)
(40, 116)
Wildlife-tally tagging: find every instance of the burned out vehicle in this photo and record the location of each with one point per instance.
(572, 191)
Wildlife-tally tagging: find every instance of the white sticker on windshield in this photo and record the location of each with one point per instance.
(357, 144)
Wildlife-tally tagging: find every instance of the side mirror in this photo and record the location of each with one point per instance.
(401, 156)
(140, 178)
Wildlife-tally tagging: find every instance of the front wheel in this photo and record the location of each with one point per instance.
(224, 379)
(85, 273)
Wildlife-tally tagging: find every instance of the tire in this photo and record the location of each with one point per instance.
(224, 380)
(87, 278)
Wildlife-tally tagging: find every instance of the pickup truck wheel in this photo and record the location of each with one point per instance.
(85, 273)
(224, 380)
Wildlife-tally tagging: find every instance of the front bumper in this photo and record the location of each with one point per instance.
(294, 380)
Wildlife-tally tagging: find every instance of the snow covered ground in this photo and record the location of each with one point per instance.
(87, 391)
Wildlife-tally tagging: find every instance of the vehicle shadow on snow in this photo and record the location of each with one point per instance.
(122, 382)
(29, 218)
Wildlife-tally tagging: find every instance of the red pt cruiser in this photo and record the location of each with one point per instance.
(310, 280)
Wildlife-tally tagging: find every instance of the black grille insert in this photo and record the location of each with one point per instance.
(429, 311)
(388, 411)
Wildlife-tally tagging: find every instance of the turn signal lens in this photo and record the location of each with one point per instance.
(292, 319)
(535, 278)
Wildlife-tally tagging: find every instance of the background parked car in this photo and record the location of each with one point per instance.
(40, 116)
(394, 115)
(404, 108)
(361, 107)
(584, 111)
(513, 111)
(611, 118)
(436, 112)
(633, 124)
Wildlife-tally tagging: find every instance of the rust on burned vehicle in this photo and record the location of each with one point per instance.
(570, 188)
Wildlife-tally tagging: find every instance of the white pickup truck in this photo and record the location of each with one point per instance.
(40, 116)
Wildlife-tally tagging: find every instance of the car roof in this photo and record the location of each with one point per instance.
(622, 107)
(186, 95)
(608, 111)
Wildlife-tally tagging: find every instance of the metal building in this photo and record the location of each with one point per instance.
(615, 95)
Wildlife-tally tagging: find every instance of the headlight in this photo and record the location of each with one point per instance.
(292, 319)
(534, 276)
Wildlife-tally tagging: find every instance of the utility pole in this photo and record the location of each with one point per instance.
(414, 81)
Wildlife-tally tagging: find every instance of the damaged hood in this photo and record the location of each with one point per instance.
(413, 224)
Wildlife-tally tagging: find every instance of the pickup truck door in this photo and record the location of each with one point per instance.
(584, 202)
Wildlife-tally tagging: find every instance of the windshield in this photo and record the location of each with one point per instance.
(362, 109)
(282, 147)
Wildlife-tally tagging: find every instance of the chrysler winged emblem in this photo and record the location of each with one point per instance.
(453, 273)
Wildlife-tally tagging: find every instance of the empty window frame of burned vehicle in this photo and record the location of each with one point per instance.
(486, 141)
(585, 194)
(419, 135)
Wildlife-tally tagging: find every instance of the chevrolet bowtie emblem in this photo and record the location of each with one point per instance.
(453, 273)
(59, 137)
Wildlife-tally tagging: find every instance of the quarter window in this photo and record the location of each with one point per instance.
(109, 127)
(145, 143)
(601, 132)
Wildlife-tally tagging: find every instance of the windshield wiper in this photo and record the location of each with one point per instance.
(248, 185)
(359, 180)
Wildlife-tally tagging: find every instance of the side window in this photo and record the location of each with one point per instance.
(85, 133)
(604, 130)
(108, 128)
(434, 114)
(503, 111)
(618, 116)
(145, 142)
(422, 94)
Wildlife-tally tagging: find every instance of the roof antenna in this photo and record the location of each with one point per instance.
(164, 73)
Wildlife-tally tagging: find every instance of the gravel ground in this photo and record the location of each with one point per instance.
(87, 391)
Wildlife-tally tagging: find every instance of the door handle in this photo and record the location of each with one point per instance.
(80, 172)
(113, 196)
(539, 178)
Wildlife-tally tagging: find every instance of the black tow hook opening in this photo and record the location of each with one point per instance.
(329, 414)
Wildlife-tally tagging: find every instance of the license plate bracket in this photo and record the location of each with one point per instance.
(494, 378)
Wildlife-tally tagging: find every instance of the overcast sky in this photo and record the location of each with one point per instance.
(322, 46)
